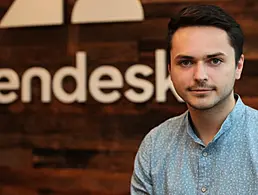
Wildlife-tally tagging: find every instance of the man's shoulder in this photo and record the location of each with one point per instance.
(251, 116)
(165, 135)
(251, 113)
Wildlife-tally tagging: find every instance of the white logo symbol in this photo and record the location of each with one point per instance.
(26, 13)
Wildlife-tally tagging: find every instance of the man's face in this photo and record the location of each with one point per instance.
(203, 68)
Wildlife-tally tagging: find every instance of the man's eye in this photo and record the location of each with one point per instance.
(215, 61)
(185, 63)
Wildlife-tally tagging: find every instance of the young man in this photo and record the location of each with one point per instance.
(213, 147)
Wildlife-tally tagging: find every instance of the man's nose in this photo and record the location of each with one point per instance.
(200, 72)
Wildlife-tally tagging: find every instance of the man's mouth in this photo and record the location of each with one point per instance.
(201, 90)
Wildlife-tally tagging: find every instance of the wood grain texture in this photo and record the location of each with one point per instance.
(67, 180)
(168, 8)
(110, 52)
(72, 142)
(246, 86)
(14, 190)
(107, 127)
(251, 101)
(180, 1)
(36, 36)
(16, 157)
(151, 28)
(109, 160)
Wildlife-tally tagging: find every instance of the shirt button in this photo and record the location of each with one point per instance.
(205, 154)
(204, 189)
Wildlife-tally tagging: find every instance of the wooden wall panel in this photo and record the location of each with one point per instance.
(16, 157)
(110, 52)
(72, 142)
(88, 148)
(67, 181)
(35, 36)
(166, 8)
(13, 190)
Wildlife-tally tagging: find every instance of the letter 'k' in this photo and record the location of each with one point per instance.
(27, 13)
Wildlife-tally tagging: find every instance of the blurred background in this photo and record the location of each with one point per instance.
(53, 147)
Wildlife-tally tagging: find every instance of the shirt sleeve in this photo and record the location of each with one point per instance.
(141, 182)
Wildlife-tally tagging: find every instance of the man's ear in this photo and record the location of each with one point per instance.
(240, 66)
(169, 68)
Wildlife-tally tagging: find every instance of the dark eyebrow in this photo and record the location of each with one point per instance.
(192, 58)
(184, 57)
(216, 54)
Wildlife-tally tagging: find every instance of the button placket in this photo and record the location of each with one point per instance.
(204, 166)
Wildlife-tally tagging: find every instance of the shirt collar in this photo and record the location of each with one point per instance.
(235, 115)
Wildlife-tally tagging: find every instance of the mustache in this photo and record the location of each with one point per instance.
(201, 86)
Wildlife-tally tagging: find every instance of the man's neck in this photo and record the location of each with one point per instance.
(207, 123)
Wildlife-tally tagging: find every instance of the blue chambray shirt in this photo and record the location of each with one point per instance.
(172, 160)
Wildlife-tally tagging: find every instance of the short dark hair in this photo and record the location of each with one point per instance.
(207, 15)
